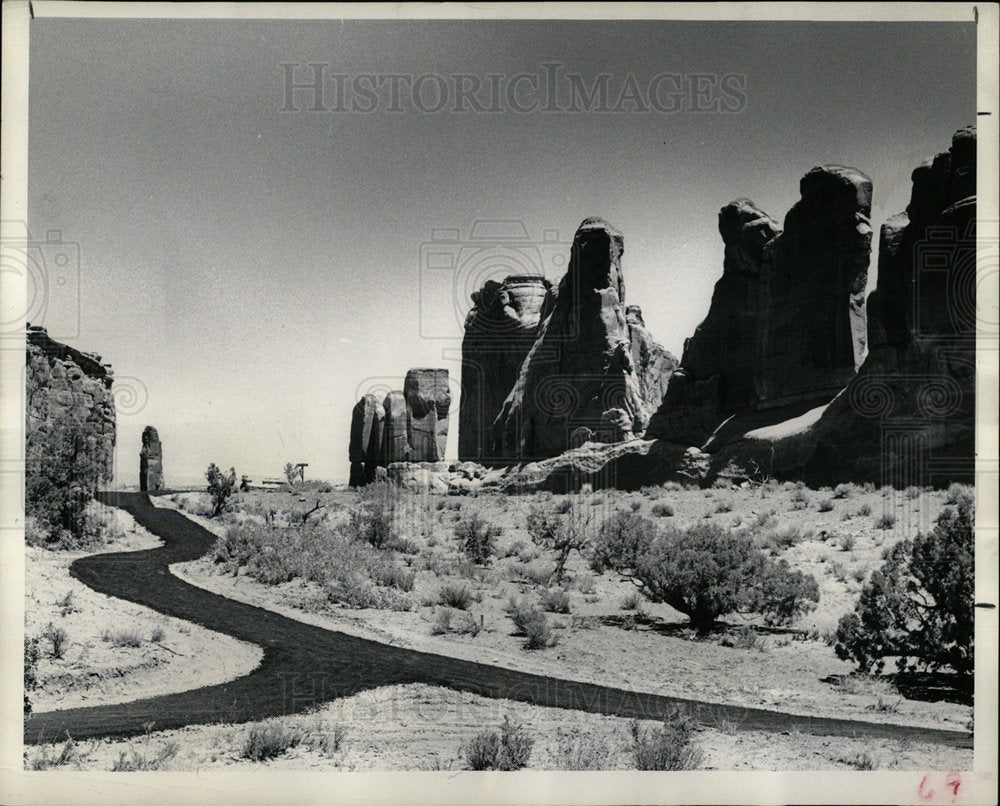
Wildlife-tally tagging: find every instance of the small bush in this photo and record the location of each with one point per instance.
(662, 511)
(724, 506)
(394, 576)
(457, 596)
(267, 741)
(478, 538)
(886, 521)
(67, 604)
(864, 510)
(533, 625)
(122, 636)
(506, 749)
(961, 494)
(143, 762)
(621, 539)
(826, 505)
(157, 635)
(372, 519)
(847, 542)
(58, 640)
(789, 537)
(555, 601)
(631, 601)
(31, 656)
(669, 747)
(844, 490)
(220, 486)
(585, 584)
(69, 754)
(442, 622)
(561, 532)
(747, 638)
(912, 492)
(583, 752)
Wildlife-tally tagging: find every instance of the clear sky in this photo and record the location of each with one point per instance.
(249, 271)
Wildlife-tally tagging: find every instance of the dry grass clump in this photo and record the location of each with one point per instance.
(506, 749)
(668, 747)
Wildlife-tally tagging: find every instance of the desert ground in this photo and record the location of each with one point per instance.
(603, 631)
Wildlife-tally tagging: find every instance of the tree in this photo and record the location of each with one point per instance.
(291, 473)
(220, 486)
(919, 607)
(62, 472)
(707, 571)
(559, 532)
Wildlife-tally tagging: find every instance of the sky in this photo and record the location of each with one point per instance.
(251, 266)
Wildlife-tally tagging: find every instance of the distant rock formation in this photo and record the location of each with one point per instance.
(786, 326)
(581, 364)
(150, 461)
(407, 426)
(653, 364)
(367, 421)
(499, 332)
(428, 401)
(67, 389)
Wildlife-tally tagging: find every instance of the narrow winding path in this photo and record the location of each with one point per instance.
(304, 665)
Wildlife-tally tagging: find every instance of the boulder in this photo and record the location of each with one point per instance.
(499, 331)
(428, 401)
(581, 363)
(150, 461)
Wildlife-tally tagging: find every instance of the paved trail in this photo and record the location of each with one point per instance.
(304, 665)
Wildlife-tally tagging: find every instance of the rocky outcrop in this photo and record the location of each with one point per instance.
(428, 401)
(653, 364)
(786, 327)
(67, 391)
(395, 441)
(717, 371)
(581, 364)
(499, 331)
(150, 461)
(908, 418)
(365, 450)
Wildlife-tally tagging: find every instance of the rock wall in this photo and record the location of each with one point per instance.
(150, 461)
(786, 326)
(653, 364)
(499, 331)
(67, 387)
(581, 364)
(367, 422)
(428, 401)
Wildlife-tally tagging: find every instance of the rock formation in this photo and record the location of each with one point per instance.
(428, 401)
(908, 418)
(785, 329)
(653, 364)
(499, 332)
(395, 440)
(150, 461)
(67, 391)
(366, 439)
(580, 365)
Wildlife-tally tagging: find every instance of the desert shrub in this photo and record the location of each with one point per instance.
(478, 538)
(220, 486)
(266, 741)
(348, 571)
(506, 749)
(865, 510)
(406, 546)
(292, 474)
(372, 519)
(847, 542)
(631, 601)
(533, 625)
(662, 510)
(886, 521)
(68, 754)
(620, 540)
(555, 601)
(844, 490)
(746, 637)
(58, 640)
(442, 621)
(706, 571)
(787, 538)
(157, 635)
(457, 596)
(31, 656)
(327, 742)
(960, 494)
(668, 747)
(585, 583)
(912, 492)
(144, 761)
(560, 533)
(826, 505)
(122, 637)
(724, 506)
(582, 752)
(919, 606)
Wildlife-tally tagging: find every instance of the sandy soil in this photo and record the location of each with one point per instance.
(417, 727)
(172, 655)
(839, 543)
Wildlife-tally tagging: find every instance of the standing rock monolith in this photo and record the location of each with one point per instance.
(395, 440)
(428, 401)
(366, 439)
(150, 461)
(581, 365)
(499, 331)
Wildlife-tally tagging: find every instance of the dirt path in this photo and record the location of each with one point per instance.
(304, 665)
